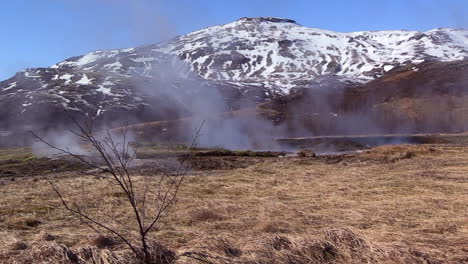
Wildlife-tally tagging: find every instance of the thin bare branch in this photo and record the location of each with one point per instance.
(115, 158)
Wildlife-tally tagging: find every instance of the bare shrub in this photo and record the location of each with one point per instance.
(159, 254)
(149, 196)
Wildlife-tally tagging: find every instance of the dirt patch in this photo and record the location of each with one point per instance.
(221, 159)
(37, 166)
(223, 162)
(236, 153)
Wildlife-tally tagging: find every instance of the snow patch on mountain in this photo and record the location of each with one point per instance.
(84, 80)
(67, 77)
(9, 87)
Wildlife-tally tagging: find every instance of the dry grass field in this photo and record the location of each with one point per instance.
(391, 204)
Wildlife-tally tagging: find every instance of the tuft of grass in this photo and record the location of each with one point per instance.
(181, 147)
(48, 237)
(103, 241)
(206, 214)
(19, 246)
(226, 247)
(275, 227)
(32, 222)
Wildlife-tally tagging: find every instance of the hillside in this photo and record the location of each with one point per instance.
(431, 97)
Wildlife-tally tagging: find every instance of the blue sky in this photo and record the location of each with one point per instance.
(39, 33)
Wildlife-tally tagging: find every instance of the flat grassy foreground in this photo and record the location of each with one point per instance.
(394, 204)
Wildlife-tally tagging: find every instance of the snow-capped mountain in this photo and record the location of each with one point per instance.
(280, 51)
(281, 54)
(252, 57)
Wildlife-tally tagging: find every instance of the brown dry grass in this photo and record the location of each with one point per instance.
(384, 206)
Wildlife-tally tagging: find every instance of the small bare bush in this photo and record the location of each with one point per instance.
(149, 196)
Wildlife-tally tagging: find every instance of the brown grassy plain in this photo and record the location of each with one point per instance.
(392, 204)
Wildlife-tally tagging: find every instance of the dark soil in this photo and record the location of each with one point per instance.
(223, 162)
(238, 153)
(37, 166)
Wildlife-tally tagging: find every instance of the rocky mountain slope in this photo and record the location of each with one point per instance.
(249, 61)
(431, 97)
